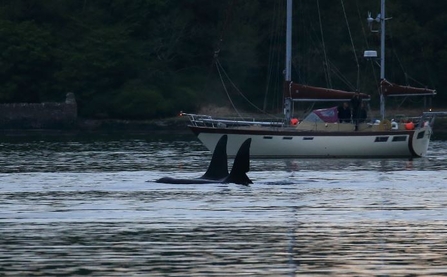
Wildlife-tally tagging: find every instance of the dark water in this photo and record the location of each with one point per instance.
(73, 206)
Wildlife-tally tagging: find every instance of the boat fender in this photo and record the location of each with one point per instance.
(294, 121)
(221, 125)
(409, 126)
(394, 125)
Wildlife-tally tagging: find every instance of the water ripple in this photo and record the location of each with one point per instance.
(90, 207)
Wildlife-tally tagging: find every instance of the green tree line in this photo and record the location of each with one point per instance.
(144, 59)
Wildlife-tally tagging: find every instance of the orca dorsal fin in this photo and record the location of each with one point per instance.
(241, 165)
(218, 167)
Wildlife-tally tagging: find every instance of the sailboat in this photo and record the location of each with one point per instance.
(321, 134)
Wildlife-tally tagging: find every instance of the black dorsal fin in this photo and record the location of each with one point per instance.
(218, 168)
(241, 165)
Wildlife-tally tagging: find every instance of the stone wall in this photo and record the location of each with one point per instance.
(51, 115)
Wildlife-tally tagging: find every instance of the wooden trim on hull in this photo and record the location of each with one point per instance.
(211, 130)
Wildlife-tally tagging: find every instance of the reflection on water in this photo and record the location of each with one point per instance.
(88, 206)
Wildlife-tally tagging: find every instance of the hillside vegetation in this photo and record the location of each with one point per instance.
(145, 59)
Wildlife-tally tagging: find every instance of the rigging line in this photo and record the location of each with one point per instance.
(217, 49)
(271, 56)
(399, 105)
(224, 27)
(222, 31)
(276, 97)
(309, 109)
(237, 89)
(364, 83)
(398, 59)
(407, 76)
(313, 47)
(243, 96)
(278, 88)
(225, 88)
(345, 80)
(352, 42)
(278, 92)
(324, 46)
(363, 26)
(416, 81)
(427, 67)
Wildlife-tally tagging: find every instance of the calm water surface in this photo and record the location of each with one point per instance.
(73, 206)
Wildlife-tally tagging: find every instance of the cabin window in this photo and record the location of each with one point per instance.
(421, 135)
(400, 138)
(308, 138)
(287, 138)
(381, 139)
(268, 137)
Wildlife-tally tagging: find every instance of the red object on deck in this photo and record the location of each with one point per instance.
(409, 126)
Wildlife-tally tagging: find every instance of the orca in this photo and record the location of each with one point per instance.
(217, 171)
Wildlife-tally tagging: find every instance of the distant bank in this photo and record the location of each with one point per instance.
(54, 117)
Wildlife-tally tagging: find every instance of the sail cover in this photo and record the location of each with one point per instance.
(299, 92)
(390, 89)
(328, 115)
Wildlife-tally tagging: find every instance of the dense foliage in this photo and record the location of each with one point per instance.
(145, 59)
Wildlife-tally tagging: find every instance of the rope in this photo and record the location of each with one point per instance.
(225, 88)
(407, 76)
(274, 30)
(328, 77)
(220, 68)
(352, 42)
(217, 51)
(341, 76)
(224, 27)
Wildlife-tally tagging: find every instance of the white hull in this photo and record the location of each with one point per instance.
(323, 135)
(311, 144)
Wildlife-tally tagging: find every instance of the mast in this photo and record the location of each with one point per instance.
(381, 18)
(288, 65)
(288, 72)
(382, 55)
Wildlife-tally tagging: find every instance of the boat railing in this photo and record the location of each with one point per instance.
(431, 116)
(208, 121)
(423, 120)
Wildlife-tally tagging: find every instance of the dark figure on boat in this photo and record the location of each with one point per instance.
(355, 106)
(362, 113)
(344, 113)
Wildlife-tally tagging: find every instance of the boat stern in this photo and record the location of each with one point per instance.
(421, 140)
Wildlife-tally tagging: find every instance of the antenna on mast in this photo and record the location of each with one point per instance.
(371, 20)
(380, 18)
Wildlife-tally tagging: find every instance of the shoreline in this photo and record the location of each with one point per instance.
(178, 125)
